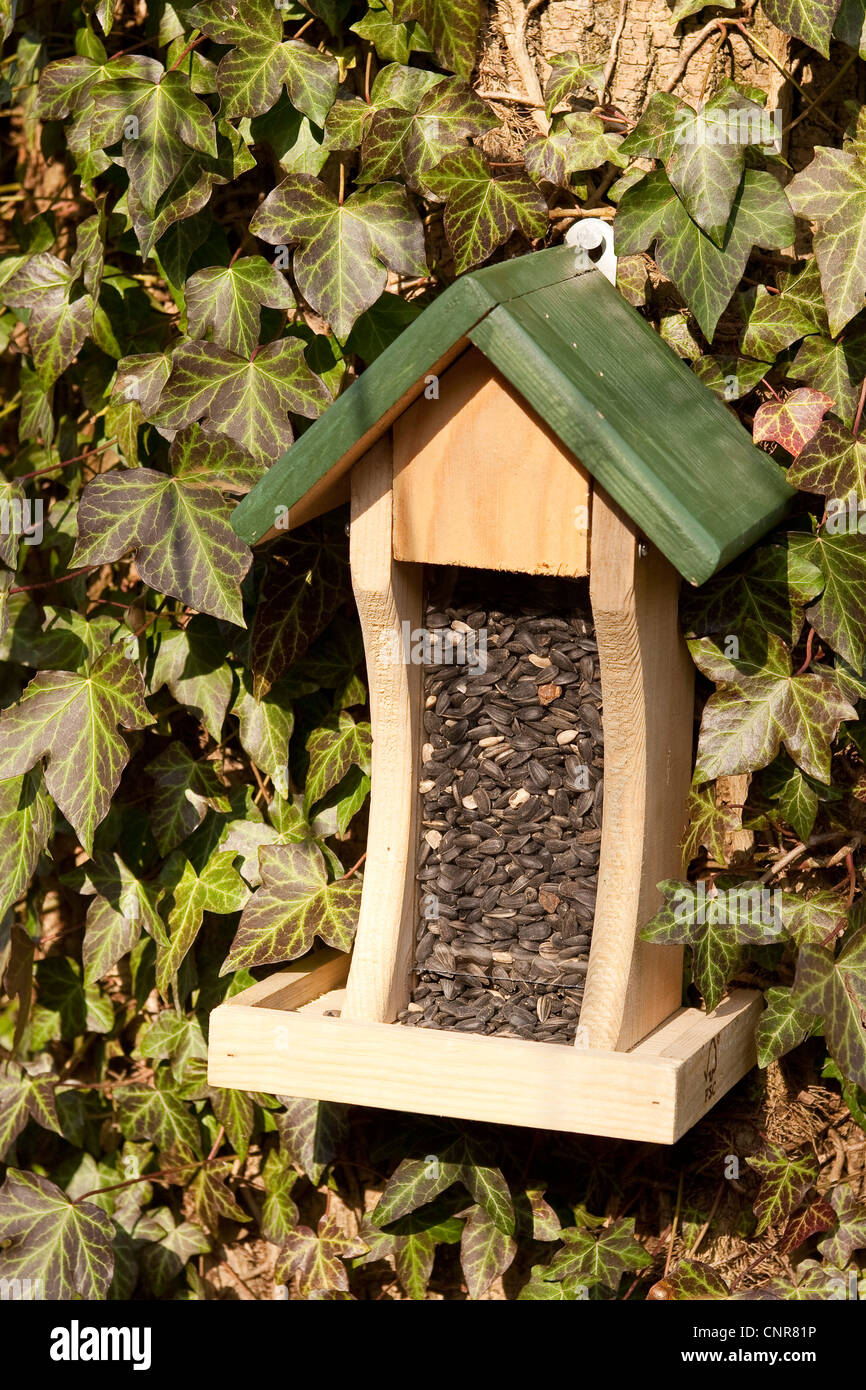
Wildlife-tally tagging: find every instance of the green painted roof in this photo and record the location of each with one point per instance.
(658, 441)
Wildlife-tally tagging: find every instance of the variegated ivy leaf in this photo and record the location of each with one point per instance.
(705, 275)
(26, 820)
(813, 1219)
(453, 27)
(785, 1180)
(481, 211)
(183, 791)
(833, 463)
(140, 378)
(311, 1132)
(72, 721)
(834, 988)
(393, 42)
(850, 1233)
(60, 315)
(334, 749)
(236, 1113)
(485, 1252)
(298, 600)
(716, 924)
(791, 422)
(316, 1258)
(768, 595)
(775, 321)
(247, 398)
(25, 1097)
(122, 905)
(413, 1184)
(190, 892)
(762, 707)
(280, 1215)
(839, 615)
(225, 304)
(568, 75)
(580, 141)
(175, 524)
(408, 143)
(832, 192)
(66, 86)
(796, 796)
(174, 1038)
(212, 1199)
(836, 366)
(89, 258)
(64, 1247)
(809, 20)
(265, 730)
(690, 1280)
(819, 919)
(191, 661)
(709, 822)
(781, 1027)
(294, 904)
(158, 119)
(344, 250)
(157, 1113)
(412, 1255)
(597, 1257)
(166, 1246)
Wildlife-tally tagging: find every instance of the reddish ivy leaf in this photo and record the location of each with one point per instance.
(793, 421)
(818, 1216)
(785, 1180)
(834, 988)
(317, 1258)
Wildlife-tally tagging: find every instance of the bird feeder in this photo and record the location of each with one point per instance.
(529, 423)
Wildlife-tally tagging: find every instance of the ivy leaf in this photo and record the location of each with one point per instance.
(705, 165)
(310, 1133)
(317, 1258)
(65, 1246)
(190, 892)
(344, 250)
(24, 1097)
(334, 748)
(705, 274)
(785, 1180)
(832, 191)
(708, 824)
(819, 1216)
(836, 366)
(171, 1244)
(393, 42)
(296, 603)
(569, 75)
(684, 9)
(236, 1113)
(834, 988)
(409, 143)
(809, 20)
(597, 1257)
(212, 1199)
(265, 730)
(192, 663)
(796, 795)
(767, 596)
(691, 1281)
(251, 77)
(58, 323)
(413, 1184)
(65, 86)
(177, 1039)
(279, 1212)
(851, 25)
(141, 377)
(579, 142)
(833, 464)
(226, 303)
(761, 708)
(122, 906)
(775, 321)
(294, 904)
(72, 720)
(716, 925)
(157, 1113)
(184, 789)
(176, 525)
(245, 398)
(485, 1252)
(818, 919)
(839, 616)
(170, 121)
(791, 422)
(26, 820)
(850, 1233)
(453, 27)
(481, 212)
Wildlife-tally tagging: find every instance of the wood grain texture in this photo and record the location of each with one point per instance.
(653, 1093)
(647, 682)
(388, 595)
(480, 481)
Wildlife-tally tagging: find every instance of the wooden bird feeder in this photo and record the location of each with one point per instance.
(565, 439)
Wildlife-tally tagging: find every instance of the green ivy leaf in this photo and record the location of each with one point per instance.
(832, 191)
(72, 721)
(409, 143)
(158, 1114)
(265, 730)
(851, 25)
(225, 303)
(413, 1184)
(318, 1258)
(809, 20)
(294, 904)
(775, 321)
(481, 211)
(708, 823)
(184, 789)
(568, 75)
(760, 708)
(344, 250)
(279, 1212)
(839, 615)
(190, 892)
(310, 1134)
(850, 1233)
(485, 1252)
(684, 9)
(334, 748)
(833, 463)
(297, 601)
(691, 1281)
(26, 820)
(65, 1246)
(453, 27)
(597, 1257)
(781, 1027)
(394, 43)
(247, 399)
(580, 141)
(24, 1097)
(834, 988)
(785, 1180)
(704, 165)
(191, 661)
(58, 323)
(767, 595)
(170, 1244)
(836, 366)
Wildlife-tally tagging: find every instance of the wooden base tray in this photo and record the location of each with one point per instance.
(275, 1037)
